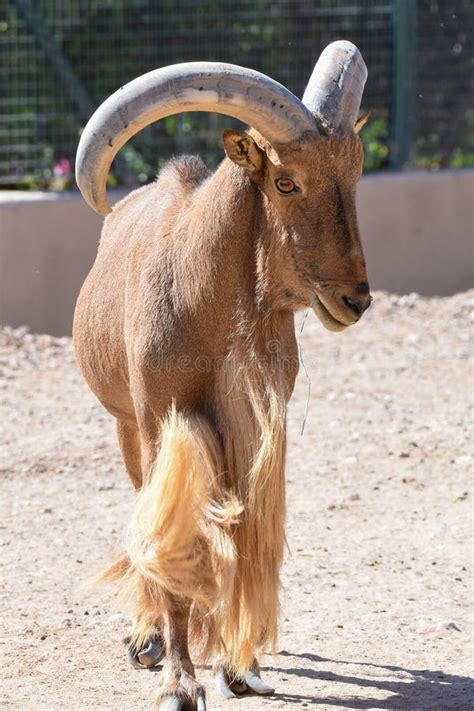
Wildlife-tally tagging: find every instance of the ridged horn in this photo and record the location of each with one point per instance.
(228, 89)
(335, 88)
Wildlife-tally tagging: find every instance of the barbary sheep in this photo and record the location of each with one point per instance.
(184, 330)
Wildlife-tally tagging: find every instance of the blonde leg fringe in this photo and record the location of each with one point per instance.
(253, 413)
(208, 524)
(179, 544)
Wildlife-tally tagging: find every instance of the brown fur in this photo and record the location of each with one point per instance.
(184, 330)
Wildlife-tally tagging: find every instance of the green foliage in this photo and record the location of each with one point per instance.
(374, 136)
(461, 160)
(435, 161)
(108, 42)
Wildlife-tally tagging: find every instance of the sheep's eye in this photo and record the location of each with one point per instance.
(285, 185)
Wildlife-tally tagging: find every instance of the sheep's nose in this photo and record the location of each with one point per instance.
(357, 305)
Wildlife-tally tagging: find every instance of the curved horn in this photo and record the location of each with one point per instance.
(334, 90)
(228, 89)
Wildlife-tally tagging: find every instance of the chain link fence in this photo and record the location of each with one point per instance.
(60, 58)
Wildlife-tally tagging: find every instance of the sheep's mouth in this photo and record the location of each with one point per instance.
(325, 316)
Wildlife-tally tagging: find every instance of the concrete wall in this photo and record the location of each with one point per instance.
(417, 231)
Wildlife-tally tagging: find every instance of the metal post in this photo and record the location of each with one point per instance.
(403, 114)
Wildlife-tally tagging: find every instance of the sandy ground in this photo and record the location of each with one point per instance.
(377, 584)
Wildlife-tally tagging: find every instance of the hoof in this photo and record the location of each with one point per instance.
(149, 656)
(181, 692)
(172, 703)
(257, 685)
(175, 703)
(233, 688)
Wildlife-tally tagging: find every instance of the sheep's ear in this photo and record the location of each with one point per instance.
(242, 150)
(361, 121)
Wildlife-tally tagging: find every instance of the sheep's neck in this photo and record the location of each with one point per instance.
(247, 245)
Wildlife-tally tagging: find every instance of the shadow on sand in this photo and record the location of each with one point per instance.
(418, 690)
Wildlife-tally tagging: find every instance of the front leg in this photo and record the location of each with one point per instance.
(179, 690)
